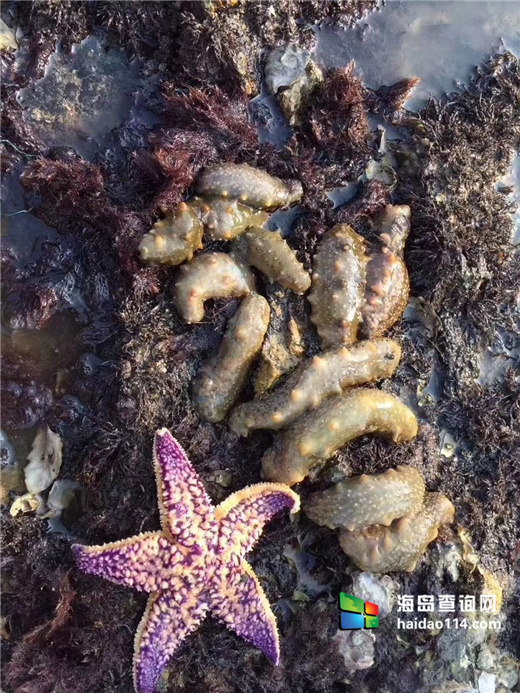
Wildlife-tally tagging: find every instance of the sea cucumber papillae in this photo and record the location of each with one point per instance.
(220, 380)
(338, 286)
(250, 185)
(387, 283)
(173, 239)
(225, 219)
(381, 549)
(376, 499)
(209, 275)
(272, 255)
(329, 373)
(316, 436)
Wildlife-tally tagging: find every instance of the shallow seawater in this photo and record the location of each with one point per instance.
(440, 42)
(21, 230)
(83, 95)
(269, 120)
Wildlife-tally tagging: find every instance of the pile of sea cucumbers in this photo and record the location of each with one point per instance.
(386, 521)
(355, 294)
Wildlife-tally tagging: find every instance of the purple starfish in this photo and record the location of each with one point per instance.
(194, 565)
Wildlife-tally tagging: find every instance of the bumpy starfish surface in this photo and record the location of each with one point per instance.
(195, 565)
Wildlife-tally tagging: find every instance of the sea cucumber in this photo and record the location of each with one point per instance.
(387, 284)
(225, 219)
(394, 227)
(365, 500)
(220, 380)
(338, 286)
(316, 436)
(250, 185)
(326, 374)
(209, 275)
(173, 239)
(271, 254)
(380, 549)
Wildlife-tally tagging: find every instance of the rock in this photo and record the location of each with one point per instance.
(486, 682)
(356, 647)
(283, 348)
(378, 590)
(291, 75)
(44, 461)
(485, 659)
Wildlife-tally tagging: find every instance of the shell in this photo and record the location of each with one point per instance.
(209, 275)
(329, 373)
(380, 549)
(360, 501)
(338, 286)
(271, 254)
(387, 283)
(226, 219)
(221, 379)
(316, 436)
(250, 185)
(173, 239)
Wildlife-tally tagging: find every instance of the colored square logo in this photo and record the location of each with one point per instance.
(349, 621)
(355, 613)
(349, 603)
(371, 609)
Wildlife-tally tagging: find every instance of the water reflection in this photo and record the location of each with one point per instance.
(438, 41)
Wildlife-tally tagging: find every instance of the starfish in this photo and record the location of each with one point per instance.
(195, 565)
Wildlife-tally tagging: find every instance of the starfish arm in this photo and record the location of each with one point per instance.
(243, 516)
(140, 562)
(167, 620)
(240, 602)
(184, 505)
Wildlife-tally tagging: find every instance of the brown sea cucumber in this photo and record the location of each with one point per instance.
(209, 275)
(250, 185)
(338, 286)
(326, 374)
(272, 255)
(316, 436)
(225, 219)
(394, 227)
(380, 549)
(220, 380)
(376, 499)
(387, 284)
(173, 239)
